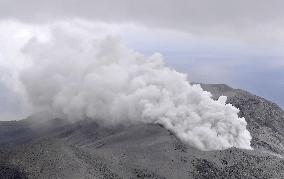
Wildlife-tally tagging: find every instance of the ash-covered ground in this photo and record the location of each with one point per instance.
(57, 148)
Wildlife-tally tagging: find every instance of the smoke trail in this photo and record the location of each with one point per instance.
(78, 75)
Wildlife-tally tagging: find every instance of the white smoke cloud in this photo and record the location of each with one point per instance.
(78, 71)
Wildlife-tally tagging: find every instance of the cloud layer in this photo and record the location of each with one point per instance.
(253, 20)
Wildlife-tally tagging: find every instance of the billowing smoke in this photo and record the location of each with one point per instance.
(77, 74)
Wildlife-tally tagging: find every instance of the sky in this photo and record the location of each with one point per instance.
(239, 43)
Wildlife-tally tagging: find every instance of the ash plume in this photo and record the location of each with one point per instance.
(76, 73)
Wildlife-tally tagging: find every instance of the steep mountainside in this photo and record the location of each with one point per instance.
(59, 149)
(265, 119)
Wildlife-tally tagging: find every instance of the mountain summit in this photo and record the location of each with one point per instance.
(58, 148)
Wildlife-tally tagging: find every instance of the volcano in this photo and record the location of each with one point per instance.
(58, 148)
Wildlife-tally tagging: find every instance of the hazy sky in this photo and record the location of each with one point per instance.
(237, 42)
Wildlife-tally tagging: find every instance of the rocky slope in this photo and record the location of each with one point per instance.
(60, 149)
(265, 119)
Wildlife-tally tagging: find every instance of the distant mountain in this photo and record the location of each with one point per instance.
(56, 148)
